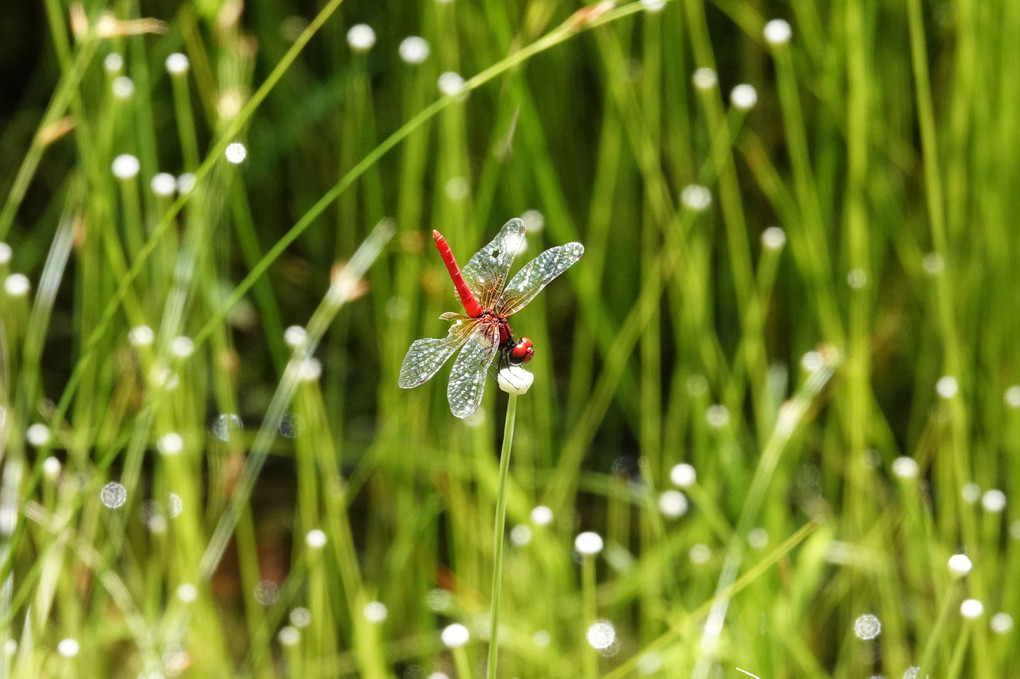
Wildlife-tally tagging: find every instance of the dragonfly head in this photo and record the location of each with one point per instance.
(522, 352)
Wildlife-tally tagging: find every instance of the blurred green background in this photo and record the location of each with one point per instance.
(780, 385)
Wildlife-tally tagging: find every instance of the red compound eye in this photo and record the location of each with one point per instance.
(522, 352)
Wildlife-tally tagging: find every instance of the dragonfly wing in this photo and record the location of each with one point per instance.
(426, 356)
(535, 275)
(467, 379)
(488, 270)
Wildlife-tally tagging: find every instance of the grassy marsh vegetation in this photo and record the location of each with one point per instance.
(780, 385)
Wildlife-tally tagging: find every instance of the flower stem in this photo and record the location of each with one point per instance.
(497, 569)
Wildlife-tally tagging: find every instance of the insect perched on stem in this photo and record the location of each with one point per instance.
(488, 301)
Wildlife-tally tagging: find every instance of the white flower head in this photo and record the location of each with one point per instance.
(696, 197)
(163, 184)
(125, 166)
(515, 380)
(777, 32)
(451, 84)
(744, 97)
(236, 153)
(177, 64)
(959, 565)
(455, 635)
(704, 78)
(588, 543)
(17, 285)
(361, 37)
(316, 539)
(123, 87)
(414, 49)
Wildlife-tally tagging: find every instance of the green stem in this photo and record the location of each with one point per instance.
(497, 532)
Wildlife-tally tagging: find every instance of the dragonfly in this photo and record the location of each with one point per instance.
(484, 329)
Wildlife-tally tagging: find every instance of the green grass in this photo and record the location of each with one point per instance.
(273, 497)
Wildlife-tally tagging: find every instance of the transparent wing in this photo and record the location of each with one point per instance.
(426, 356)
(488, 270)
(535, 275)
(467, 379)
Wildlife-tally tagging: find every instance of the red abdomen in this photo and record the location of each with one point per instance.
(467, 298)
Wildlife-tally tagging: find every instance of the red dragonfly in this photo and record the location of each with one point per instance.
(489, 301)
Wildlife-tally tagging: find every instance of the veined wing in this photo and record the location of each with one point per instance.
(428, 355)
(467, 379)
(535, 275)
(488, 270)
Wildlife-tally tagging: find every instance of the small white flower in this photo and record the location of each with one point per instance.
(971, 493)
(773, 238)
(125, 166)
(170, 443)
(520, 535)
(236, 153)
(361, 37)
(717, 416)
(185, 183)
(113, 495)
(51, 468)
(141, 336)
(163, 184)
(1001, 623)
(812, 361)
(17, 285)
(971, 608)
(181, 346)
(38, 434)
(68, 647)
(455, 635)
(744, 97)
(414, 49)
(959, 565)
(177, 64)
(375, 611)
(123, 87)
(316, 539)
(113, 63)
(515, 380)
(867, 627)
(309, 370)
(451, 83)
(174, 505)
(295, 336)
(588, 543)
(857, 278)
(673, 504)
(601, 635)
(187, 592)
(758, 538)
(777, 32)
(696, 197)
(704, 78)
(300, 617)
(993, 500)
(541, 515)
(905, 468)
(457, 188)
(700, 554)
(933, 263)
(289, 636)
(1012, 396)
(534, 220)
(683, 475)
(5, 253)
(947, 386)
